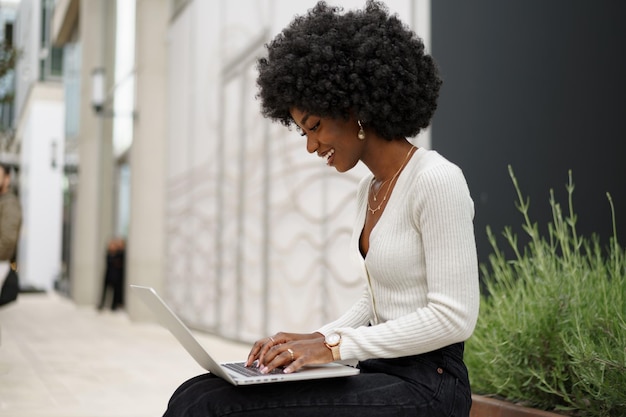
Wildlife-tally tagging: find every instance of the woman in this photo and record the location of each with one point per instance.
(357, 84)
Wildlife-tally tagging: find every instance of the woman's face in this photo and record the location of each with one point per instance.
(335, 140)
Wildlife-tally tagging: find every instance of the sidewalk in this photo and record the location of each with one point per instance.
(59, 360)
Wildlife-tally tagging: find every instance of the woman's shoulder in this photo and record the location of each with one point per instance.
(434, 175)
(430, 164)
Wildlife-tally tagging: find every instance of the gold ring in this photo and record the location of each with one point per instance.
(291, 353)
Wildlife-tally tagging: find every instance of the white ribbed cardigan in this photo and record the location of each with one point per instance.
(421, 270)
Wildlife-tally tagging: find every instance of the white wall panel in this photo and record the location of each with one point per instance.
(39, 255)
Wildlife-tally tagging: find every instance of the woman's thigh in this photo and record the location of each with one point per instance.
(367, 394)
(438, 381)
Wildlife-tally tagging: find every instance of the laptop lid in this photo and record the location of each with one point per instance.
(167, 318)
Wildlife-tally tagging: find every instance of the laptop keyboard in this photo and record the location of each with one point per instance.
(241, 368)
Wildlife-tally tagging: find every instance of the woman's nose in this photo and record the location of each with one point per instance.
(311, 144)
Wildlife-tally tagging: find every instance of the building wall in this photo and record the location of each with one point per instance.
(39, 123)
(27, 38)
(257, 228)
(7, 82)
(539, 86)
(41, 176)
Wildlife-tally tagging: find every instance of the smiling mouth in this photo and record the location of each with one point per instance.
(328, 155)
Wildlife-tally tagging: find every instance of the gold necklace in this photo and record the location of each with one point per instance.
(373, 211)
(375, 194)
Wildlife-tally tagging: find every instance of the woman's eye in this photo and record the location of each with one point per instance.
(302, 132)
(317, 125)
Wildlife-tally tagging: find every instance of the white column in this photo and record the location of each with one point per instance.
(93, 222)
(146, 239)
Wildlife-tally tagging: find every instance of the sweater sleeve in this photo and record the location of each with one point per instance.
(358, 315)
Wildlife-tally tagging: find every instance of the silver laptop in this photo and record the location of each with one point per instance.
(234, 372)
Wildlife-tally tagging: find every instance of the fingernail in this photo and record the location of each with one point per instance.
(264, 370)
(287, 370)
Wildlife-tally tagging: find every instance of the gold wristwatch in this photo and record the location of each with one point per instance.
(332, 342)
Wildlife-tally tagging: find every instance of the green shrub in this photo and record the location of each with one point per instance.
(552, 326)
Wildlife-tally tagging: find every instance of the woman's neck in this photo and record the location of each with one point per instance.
(384, 158)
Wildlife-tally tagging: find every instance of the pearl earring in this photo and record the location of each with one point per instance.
(361, 134)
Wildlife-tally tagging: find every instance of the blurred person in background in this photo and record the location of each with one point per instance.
(10, 224)
(114, 274)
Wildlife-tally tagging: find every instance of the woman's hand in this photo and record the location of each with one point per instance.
(290, 350)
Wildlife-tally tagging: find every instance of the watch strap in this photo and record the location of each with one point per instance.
(335, 352)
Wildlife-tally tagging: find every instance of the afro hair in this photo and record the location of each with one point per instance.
(364, 63)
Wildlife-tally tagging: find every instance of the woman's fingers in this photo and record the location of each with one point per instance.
(261, 349)
(258, 349)
(273, 341)
(278, 356)
(294, 355)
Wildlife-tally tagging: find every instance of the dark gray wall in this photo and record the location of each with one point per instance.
(540, 85)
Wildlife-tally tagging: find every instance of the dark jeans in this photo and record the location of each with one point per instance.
(432, 384)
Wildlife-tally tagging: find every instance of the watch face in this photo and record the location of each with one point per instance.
(333, 339)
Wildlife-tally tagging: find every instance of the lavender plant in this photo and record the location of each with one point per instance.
(552, 326)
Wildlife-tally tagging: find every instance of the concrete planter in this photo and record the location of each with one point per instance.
(491, 407)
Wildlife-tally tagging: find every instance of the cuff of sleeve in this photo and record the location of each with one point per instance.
(325, 330)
